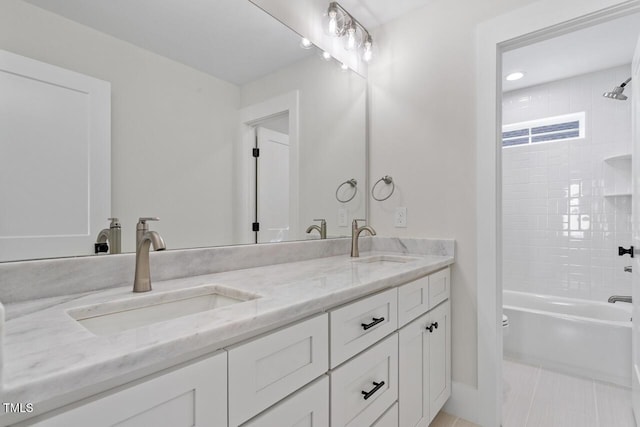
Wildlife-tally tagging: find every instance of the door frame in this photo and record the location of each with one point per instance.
(244, 201)
(533, 23)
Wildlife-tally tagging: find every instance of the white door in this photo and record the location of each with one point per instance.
(635, 237)
(55, 149)
(272, 195)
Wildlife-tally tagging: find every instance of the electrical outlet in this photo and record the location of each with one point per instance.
(400, 219)
(342, 217)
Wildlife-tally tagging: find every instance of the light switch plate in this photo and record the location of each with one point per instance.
(400, 219)
(342, 217)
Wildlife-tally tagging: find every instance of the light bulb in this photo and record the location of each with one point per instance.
(305, 43)
(515, 76)
(367, 50)
(333, 21)
(351, 37)
(326, 55)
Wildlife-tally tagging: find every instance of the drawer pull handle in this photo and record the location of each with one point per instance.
(368, 394)
(366, 326)
(433, 325)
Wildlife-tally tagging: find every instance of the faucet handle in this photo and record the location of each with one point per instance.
(321, 220)
(143, 220)
(115, 222)
(355, 221)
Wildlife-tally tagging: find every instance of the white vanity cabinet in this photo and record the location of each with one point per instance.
(381, 361)
(195, 395)
(425, 366)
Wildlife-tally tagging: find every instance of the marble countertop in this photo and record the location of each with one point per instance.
(47, 354)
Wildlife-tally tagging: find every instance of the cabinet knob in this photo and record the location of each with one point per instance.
(431, 327)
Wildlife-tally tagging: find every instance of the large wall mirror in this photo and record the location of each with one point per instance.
(194, 88)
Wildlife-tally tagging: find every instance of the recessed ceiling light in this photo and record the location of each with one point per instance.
(515, 76)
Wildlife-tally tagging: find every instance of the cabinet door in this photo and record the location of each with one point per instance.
(308, 407)
(267, 369)
(361, 324)
(389, 419)
(195, 395)
(363, 388)
(413, 382)
(413, 300)
(439, 358)
(439, 287)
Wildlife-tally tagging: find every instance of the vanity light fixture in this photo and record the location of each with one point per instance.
(342, 23)
(366, 56)
(326, 55)
(344, 66)
(305, 43)
(512, 77)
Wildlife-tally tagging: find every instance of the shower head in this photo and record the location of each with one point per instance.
(616, 93)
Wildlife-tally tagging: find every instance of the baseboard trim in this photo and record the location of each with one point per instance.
(463, 402)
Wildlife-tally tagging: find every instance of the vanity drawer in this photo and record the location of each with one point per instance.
(375, 372)
(307, 407)
(413, 300)
(439, 287)
(361, 324)
(265, 370)
(389, 419)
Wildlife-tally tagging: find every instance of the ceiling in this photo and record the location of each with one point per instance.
(230, 39)
(372, 13)
(591, 49)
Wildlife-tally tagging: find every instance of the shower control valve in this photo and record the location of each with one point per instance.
(622, 251)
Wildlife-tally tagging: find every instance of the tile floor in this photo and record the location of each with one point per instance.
(536, 397)
(447, 420)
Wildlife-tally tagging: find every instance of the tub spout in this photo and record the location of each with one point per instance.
(621, 298)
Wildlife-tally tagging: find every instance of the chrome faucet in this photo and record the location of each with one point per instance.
(145, 238)
(355, 233)
(621, 298)
(112, 235)
(322, 229)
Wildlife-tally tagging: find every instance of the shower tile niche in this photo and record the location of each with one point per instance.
(567, 203)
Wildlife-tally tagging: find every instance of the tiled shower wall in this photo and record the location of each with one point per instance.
(560, 233)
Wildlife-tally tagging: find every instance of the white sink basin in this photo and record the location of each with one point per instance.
(142, 310)
(385, 259)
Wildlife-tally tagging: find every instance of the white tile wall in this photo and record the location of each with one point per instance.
(560, 233)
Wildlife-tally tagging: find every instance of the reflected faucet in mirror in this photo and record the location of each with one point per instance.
(622, 298)
(145, 238)
(355, 233)
(322, 229)
(109, 239)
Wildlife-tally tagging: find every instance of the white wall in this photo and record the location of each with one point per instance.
(160, 167)
(560, 233)
(422, 84)
(332, 147)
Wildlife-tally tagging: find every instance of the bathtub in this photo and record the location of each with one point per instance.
(586, 338)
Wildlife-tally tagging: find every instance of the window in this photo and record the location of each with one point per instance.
(550, 129)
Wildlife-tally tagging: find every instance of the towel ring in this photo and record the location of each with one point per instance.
(354, 184)
(387, 180)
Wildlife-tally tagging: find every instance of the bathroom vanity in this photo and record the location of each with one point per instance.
(323, 339)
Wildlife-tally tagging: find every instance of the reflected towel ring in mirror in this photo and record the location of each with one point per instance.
(387, 180)
(354, 184)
